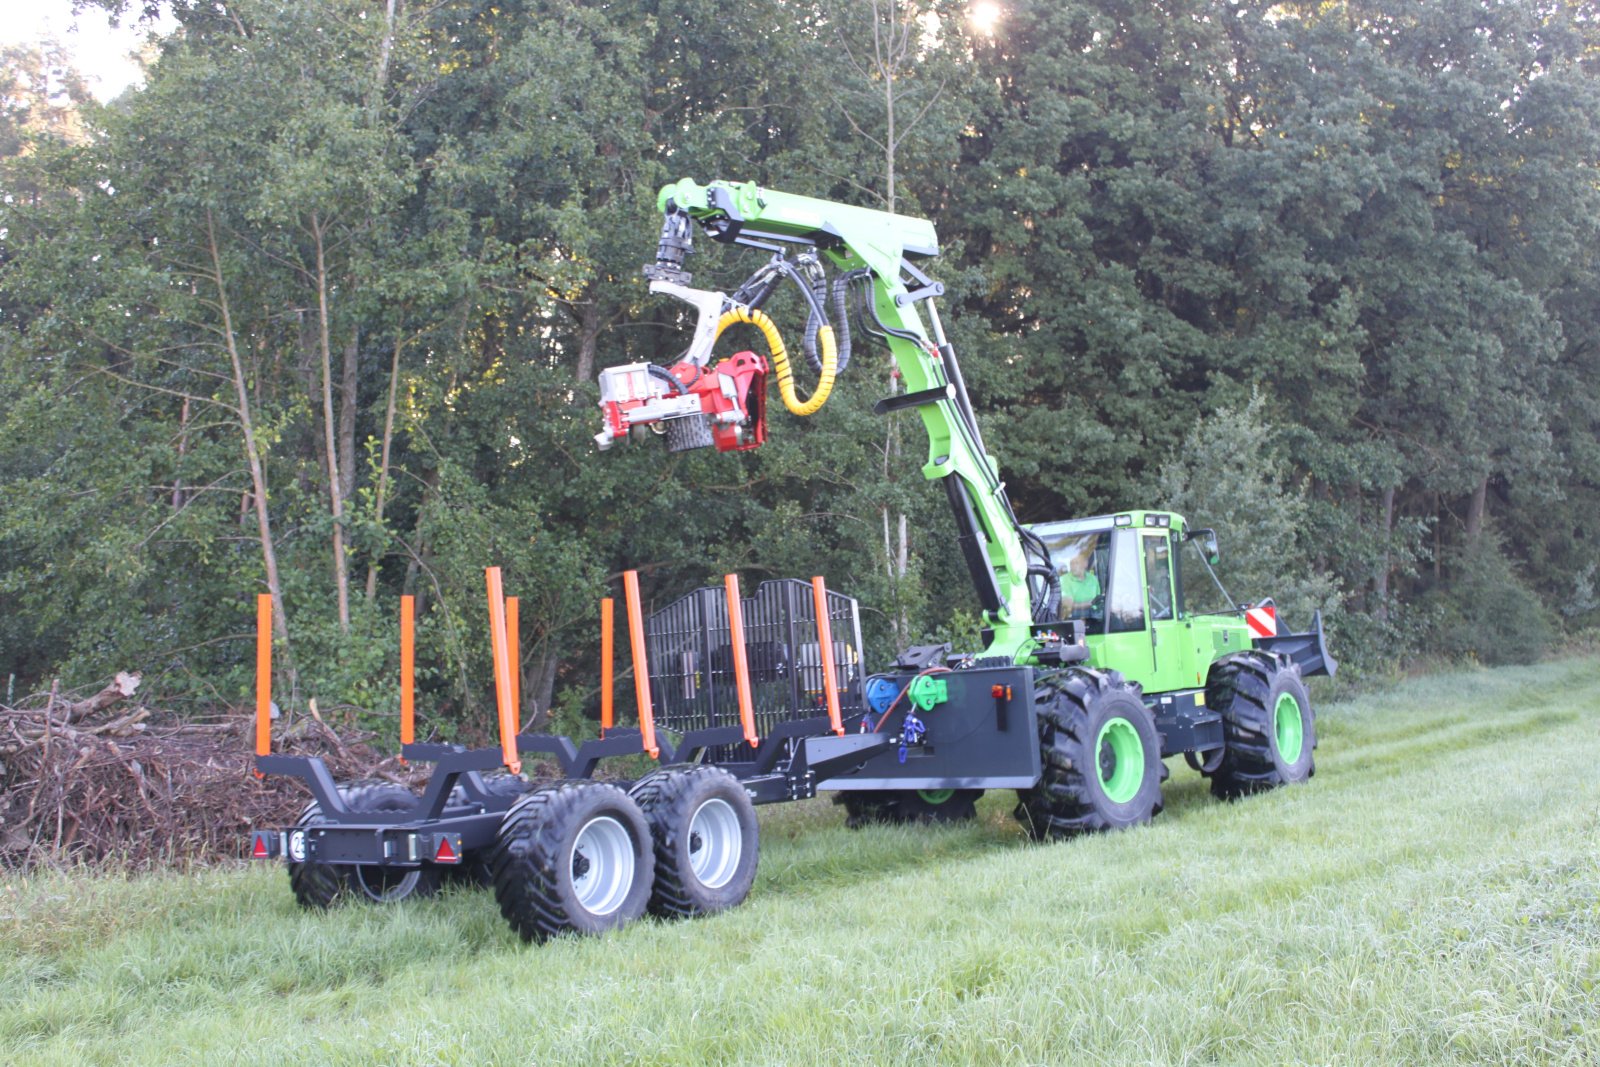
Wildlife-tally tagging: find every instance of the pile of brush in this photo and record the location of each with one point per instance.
(104, 781)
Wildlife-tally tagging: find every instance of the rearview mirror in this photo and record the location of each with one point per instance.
(1208, 544)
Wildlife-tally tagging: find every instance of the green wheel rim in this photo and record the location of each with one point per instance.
(1290, 729)
(1120, 754)
(936, 796)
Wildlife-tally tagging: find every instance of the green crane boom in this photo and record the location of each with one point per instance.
(875, 248)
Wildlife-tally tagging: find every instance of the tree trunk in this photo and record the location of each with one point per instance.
(1476, 508)
(383, 458)
(1384, 568)
(589, 325)
(539, 682)
(341, 575)
(183, 447)
(258, 478)
(348, 391)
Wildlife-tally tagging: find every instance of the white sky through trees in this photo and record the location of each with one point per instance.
(102, 53)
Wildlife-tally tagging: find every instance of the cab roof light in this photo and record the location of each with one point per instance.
(1124, 520)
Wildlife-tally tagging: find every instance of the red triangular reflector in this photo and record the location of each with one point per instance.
(446, 854)
(260, 851)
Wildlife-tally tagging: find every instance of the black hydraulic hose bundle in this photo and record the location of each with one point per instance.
(841, 311)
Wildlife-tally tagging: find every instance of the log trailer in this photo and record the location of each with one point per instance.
(1095, 663)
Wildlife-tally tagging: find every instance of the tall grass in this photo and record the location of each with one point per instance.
(1432, 896)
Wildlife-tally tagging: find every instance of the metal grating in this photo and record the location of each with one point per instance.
(690, 652)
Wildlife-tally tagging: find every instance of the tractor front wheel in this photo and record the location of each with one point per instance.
(1267, 719)
(572, 858)
(1100, 758)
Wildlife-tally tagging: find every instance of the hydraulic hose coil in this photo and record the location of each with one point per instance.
(780, 359)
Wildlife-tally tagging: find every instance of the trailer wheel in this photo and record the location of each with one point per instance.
(1267, 720)
(865, 807)
(318, 885)
(1100, 758)
(572, 858)
(707, 840)
(315, 885)
(474, 867)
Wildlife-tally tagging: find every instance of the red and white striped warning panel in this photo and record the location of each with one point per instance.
(1263, 622)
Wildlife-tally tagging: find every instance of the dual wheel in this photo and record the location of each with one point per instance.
(586, 857)
(320, 885)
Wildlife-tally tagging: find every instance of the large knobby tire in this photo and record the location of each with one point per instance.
(572, 858)
(315, 885)
(1267, 720)
(1100, 758)
(869, 806)
(319, 885)
(707, 840)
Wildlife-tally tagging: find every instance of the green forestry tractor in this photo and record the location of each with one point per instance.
(1108, 642)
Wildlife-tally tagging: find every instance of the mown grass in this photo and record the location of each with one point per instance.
(1432, 896)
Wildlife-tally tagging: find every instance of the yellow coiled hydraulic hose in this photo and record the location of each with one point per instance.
(780, 359)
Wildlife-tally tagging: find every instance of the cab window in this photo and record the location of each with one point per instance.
(1158, 572)
(1125, 596)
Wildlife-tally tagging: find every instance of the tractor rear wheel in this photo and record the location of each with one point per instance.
(707, 840)
(318, 885)
(1100, 756)
(572, 858)
(1267, 720)
(866, 807)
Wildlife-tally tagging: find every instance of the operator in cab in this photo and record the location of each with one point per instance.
(1079, 585)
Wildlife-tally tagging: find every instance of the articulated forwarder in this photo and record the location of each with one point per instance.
(1096, 664)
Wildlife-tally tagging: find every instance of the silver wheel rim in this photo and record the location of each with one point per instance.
(602, 865)
(715, 843)
(382, 889)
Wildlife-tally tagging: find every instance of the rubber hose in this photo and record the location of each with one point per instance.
(814, 324)
(780, 359)
(664, 375)
(841, 308)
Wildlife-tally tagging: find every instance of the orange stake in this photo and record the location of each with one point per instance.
(514, 642)
(263, 675)
(502, 670)
(607, 677)
(830, 684)
(641, 666)
(408, 669)
(741, 663)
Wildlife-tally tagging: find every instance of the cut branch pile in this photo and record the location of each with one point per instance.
(93, 782)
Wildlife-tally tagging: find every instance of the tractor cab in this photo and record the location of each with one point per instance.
(1142, 586)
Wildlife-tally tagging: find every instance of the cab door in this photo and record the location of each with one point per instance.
(1170, 642)
(1126, 646)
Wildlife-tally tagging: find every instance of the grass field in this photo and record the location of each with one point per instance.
(1432, 896)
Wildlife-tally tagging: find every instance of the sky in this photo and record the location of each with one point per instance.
(100, 52)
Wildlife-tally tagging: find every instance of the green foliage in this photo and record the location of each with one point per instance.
(1379, 216)
(1489, 613)
(1230, 475)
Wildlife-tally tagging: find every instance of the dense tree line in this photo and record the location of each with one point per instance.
(318, 313)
